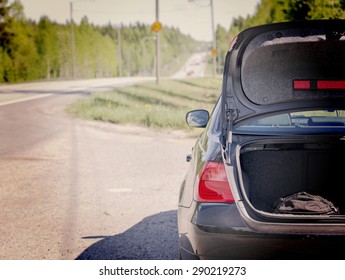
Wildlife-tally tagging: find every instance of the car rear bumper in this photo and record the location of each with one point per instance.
(216, 231)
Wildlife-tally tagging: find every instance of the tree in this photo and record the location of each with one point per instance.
(297, 10)
(46, 41)
(6, 32)
(32, 51)
(270, 11)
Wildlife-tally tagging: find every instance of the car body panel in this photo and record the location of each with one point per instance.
(220, 237)
(245, 125)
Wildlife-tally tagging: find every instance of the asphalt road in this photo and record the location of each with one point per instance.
(74, 189)
(194, 67)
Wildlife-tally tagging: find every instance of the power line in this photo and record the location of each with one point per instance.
(136, 13)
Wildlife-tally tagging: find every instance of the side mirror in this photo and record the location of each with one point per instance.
(197, 118)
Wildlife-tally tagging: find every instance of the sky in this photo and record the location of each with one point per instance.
(192, 17)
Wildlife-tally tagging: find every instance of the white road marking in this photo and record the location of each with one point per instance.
(121, 190)
(25, 99)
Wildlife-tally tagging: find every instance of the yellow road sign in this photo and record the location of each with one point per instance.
(156, 26)
(214, 52)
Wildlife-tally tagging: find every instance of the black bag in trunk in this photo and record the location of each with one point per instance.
(303, 203)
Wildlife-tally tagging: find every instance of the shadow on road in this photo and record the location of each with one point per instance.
(154, 238)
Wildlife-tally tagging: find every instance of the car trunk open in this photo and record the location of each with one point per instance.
(283, 67)
(273, 170)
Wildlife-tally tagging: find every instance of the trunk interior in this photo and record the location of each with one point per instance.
(273, 171)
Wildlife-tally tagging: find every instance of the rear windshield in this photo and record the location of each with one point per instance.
(290, 66)
(304, 122)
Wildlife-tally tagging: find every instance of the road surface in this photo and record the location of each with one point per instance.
(194, 67)
(74, 189)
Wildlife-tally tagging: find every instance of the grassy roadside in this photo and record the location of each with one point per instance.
(162, 106)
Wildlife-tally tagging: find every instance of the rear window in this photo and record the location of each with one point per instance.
(291, 65)
(320, 121)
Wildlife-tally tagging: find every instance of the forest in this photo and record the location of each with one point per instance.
(42, 50)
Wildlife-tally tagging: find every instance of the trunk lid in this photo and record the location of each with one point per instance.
(284, 66)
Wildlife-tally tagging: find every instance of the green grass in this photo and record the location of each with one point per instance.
(162, 106)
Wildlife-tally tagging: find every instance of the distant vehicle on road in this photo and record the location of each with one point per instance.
(194, 68)
(266, 175)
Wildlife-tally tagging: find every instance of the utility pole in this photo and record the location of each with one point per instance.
(72, 40)
(157, 27)
(119, 51)
(157, 46)
(72, 36)
(144, 55)
(214, 46)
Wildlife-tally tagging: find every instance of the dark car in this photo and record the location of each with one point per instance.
(267, 175)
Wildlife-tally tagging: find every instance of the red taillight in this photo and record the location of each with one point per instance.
(330, 84)
(301, 84)
(213, 184)
(318, 84)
